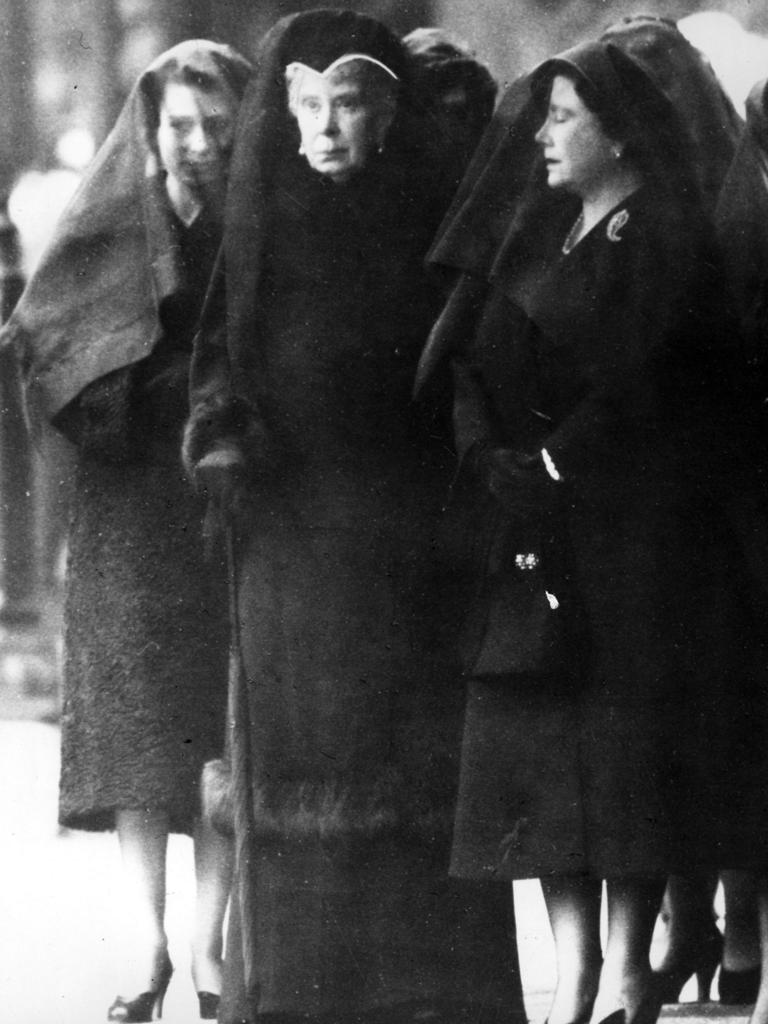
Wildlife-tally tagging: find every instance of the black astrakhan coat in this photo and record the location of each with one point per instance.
(146, 613)
(638, 751)
(103, 335)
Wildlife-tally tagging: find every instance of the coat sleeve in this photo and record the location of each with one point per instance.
(221, 424)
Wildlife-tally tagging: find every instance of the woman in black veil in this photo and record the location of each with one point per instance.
(345, 692)
(104, 336)
(595, 424)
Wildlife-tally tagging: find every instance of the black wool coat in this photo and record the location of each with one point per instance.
(635, 751)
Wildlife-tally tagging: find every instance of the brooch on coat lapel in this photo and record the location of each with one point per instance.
(615, 224)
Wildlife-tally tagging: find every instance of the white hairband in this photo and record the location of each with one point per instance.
(296, 64)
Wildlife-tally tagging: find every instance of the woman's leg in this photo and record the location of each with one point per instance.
(687, 912)
(760, 1011)
(693, 943)
(741, 951)
(143, 836)
(573, 905)
(214, 856)
(626, 980)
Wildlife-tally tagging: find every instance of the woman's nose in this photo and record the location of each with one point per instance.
(197, 140)
(327, 121)
(542, 135)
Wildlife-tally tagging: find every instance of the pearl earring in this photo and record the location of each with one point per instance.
(616, 153)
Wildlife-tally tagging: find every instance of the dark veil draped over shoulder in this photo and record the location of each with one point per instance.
(704, 109)
(504, 217)
(92, 305)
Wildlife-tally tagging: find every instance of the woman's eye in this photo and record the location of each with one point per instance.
(217, 125)
(313, 106)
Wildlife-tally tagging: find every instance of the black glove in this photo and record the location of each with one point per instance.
(225, 424)
(519, 482)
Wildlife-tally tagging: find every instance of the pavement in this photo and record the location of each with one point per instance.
(60, 945)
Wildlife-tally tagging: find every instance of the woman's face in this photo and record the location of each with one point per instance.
(195, 133)
(579, 156)
(339, 127)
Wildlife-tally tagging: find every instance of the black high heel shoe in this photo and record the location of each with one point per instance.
(702, 963)
(147, 1006)
(209, 1005)
(583, 1018)
(646, 1011)
(738, 988)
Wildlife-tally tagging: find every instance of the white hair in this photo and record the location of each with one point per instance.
(377, 82)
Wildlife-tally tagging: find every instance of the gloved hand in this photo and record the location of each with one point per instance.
(221, 475)
(519, 482)
(233, 436)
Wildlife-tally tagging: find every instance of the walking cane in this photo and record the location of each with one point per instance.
(242, 795)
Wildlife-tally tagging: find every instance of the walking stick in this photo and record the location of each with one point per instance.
(242, 793)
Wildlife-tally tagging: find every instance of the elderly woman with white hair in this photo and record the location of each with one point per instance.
(346, 696)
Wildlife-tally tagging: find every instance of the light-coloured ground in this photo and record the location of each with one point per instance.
(59, 942)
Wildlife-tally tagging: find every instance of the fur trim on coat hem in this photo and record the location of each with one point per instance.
(216, 796)
(324, 811)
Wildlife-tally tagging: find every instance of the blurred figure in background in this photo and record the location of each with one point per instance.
(742, 221)
(103, 334)
(712, 124)
(457, 91)
(693, 945)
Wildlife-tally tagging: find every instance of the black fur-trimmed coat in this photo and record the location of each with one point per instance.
(352, 707)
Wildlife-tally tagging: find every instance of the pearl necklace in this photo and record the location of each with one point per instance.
(573, 234)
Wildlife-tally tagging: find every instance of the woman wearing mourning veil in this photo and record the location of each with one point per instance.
(104, 337)
(612, 661)
(345, 695)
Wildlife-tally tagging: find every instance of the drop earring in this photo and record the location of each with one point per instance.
(616, 153)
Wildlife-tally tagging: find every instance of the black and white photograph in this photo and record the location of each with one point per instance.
(384, 512)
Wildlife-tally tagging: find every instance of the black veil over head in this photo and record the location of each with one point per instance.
(92, 305)
(267, 143)
(631, 108)
(497, 177)
(508, 172)
(502, 222)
